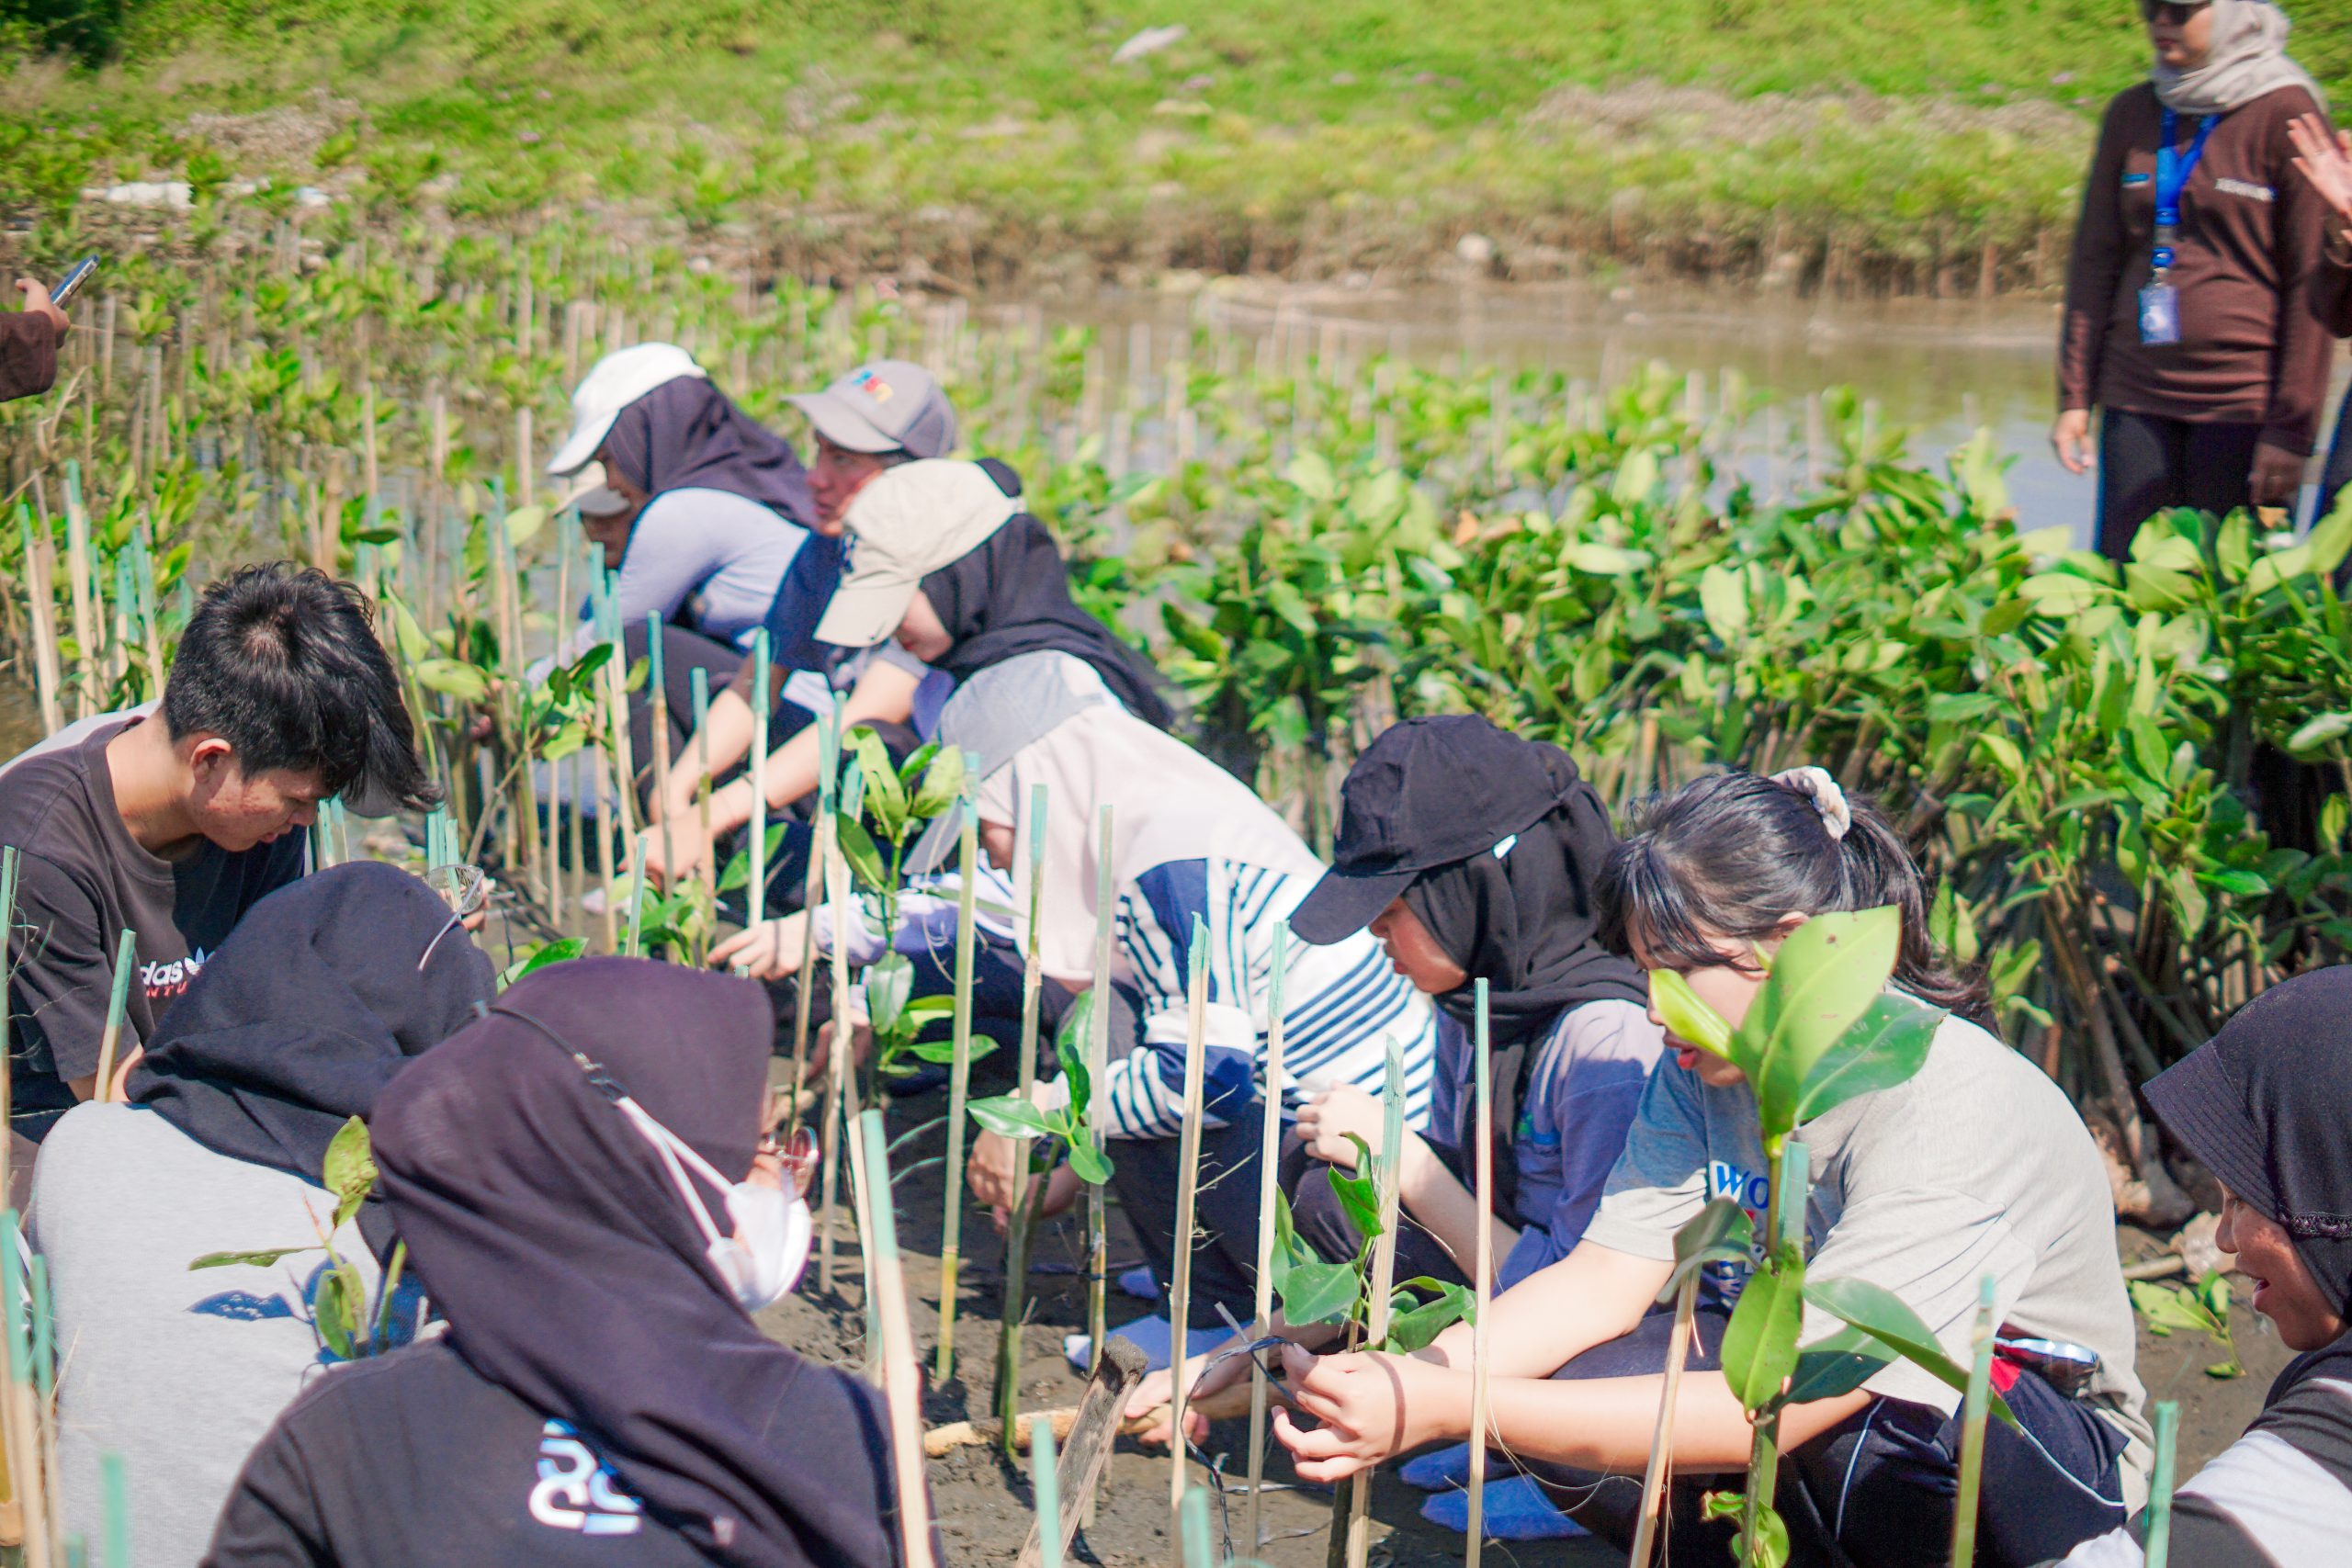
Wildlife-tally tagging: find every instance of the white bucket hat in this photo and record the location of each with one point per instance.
(611, 385)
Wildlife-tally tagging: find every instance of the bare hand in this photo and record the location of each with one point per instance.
(1325, 1121)
(1157, 1394)
(690, 850)
(1370, 1406)
(2325, 161)
(2276, 477)
(38, 304)
(768, 950)
(991, 1172)
(2071, 439)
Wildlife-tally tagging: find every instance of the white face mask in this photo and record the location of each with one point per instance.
(759, 1269)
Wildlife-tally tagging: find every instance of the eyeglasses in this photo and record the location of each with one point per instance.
(465, 889)
(2177, 12)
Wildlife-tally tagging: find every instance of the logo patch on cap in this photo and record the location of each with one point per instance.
(872, 385)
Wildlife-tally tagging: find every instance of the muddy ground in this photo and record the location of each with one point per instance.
(984, 1502)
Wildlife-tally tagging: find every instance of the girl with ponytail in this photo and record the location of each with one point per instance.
(1977, 1166)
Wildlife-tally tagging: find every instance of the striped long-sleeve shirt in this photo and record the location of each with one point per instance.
(1340, 1004)
(2278, 1497)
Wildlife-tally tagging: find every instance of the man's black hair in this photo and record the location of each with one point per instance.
(282, 661)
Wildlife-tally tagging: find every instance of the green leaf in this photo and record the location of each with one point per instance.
(858, 848)
(525, 522)
(336, 1308)
(1836, 1366)
(1311, 472)
(1689, 1019)
(1092, 1168)
(1724, 599)
(886, 798)
(454, 677)
(928, 1010)
(560, 951)
(942, 782)
(1886, 1046)
(2168, 1307)
(1356, 1193)
(349, 1168)
(1010, 1116)
(1760, 1346)
(888, 983)
(1318, 1292)
(1772, 1531)
(1824, 978)
(1414, 1328)
(1881, 1313)
(1720, 1233)
(262, 1259)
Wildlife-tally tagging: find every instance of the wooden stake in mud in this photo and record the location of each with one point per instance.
(77, 567)
(1045, 1489)
(1098, 1068)
(1180, 1293)
(658, 695)
(42, 593)
(755, 891)
(902, 1384)
(1022, 1216)
(2166, 1417)
(1382, 1281)
(837, 1058)
(820, 852)
(1270, 1148)
(1482, 1278)
(23, 1425)
(1974, 1407)
(126, 960)
(959, 1078)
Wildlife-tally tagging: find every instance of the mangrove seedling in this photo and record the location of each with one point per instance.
(899, 802)
(2201, 1308)
(341, 1316)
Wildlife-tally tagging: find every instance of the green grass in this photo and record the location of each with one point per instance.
(1312, 137)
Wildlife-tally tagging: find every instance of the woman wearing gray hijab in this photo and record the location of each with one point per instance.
(2188, 323)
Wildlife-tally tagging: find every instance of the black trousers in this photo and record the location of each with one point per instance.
(2148, 464)
(683, 652)
(1877, 1490)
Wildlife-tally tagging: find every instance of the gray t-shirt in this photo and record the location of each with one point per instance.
(179, 1373)
(708, 558)
(1977, 1166)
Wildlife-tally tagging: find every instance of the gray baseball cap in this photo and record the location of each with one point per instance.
(886, 406)
(996, 713)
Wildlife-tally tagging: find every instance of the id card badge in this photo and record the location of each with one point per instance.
(2159, 315)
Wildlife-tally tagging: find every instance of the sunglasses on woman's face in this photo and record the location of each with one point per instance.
(2171, 11)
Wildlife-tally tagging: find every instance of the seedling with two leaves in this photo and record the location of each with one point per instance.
(1315, 1292)
(341, 1314)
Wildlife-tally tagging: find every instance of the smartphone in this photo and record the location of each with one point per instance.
(63, 295)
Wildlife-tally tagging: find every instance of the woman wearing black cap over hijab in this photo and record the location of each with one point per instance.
(2266, 1106)
(295, 1025)
(1474, 854)
(577, 1179)
(712, 509)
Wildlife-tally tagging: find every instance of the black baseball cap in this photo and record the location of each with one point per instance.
(1428, 793)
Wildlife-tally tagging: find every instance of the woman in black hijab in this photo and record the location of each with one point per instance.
(602, 1396)
(2266, 1106)
(1475, 856)
(294, 1026)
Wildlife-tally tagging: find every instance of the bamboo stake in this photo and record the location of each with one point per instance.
(837, 1061)
(1180, 1295)
(1974, 1407)
(755, 892)
(602, 778)
(1045, 1491)
(1270, 1148)
(959, 1081)
(900, 1382)
(77, 567)
(1098, 1068)
(23, 1427)
(828, 771)
(658, 692)
(636, 898)
(2160, 1485)
(42, 593)
(126, 959)
(115, 1489)
(1686, 1302)
(1017, 1230)
(1483, 1278)
(1382, 1281)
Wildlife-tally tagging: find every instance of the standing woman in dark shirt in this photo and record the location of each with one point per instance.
(2187, 322)
(579, 1180)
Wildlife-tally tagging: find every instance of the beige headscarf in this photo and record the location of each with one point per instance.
(2248, 58)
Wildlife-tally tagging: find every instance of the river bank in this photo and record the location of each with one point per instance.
(1806, 146)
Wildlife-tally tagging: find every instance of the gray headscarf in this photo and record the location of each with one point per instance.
(2248, 58)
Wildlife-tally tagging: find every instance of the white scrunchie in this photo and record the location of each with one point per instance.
(1817, 786)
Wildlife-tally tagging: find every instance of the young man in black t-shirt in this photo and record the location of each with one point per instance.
(173, 823)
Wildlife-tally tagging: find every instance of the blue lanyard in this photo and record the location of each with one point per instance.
(2173, 170)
